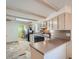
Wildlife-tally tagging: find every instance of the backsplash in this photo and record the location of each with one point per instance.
(60, 34)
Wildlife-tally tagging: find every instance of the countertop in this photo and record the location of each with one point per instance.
(48, 45)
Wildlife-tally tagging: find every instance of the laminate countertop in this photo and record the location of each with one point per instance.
(45, 46)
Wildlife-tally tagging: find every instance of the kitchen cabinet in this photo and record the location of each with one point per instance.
(55, 23)
(51, 24)
(69, 49)
(35, 54)
(48, 24)
(68, 21)
(44, 23)
(64, 21)
(61, 22)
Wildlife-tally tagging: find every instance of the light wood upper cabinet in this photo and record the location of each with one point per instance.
(61, 22)
(48, 25)
(64, 21)
(51, 24)
(68, 21)
(55, 23)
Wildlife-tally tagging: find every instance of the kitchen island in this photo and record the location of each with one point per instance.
(49, 49)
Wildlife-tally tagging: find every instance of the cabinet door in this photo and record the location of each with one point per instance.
(48, 25)
(35, 54)
(55, 24)
(51, 24)
(68, 21)
(69, 49)
(61, 21)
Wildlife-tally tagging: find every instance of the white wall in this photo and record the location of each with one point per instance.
(11, 31)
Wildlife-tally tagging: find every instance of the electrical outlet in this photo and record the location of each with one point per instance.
(68, 34)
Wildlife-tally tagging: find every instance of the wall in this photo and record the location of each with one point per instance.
(11, 31)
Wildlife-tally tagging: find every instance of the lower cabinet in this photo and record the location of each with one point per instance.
(69, 49)
(35, 54)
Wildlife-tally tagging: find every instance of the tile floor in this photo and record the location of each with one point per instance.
(18, 50)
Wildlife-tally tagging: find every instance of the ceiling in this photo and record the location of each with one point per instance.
(38, 8)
